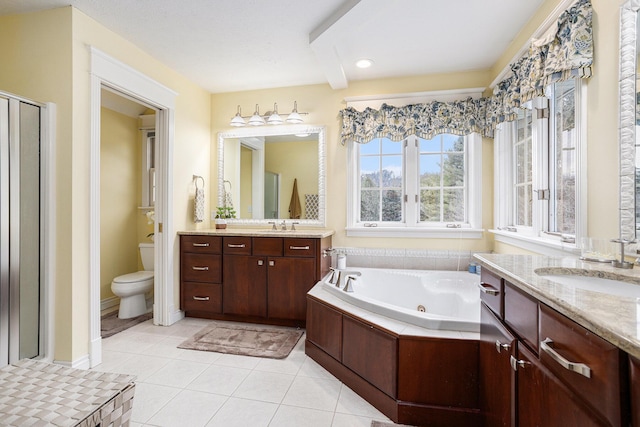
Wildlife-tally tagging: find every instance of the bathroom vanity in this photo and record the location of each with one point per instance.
(553, 353)
(259, 276)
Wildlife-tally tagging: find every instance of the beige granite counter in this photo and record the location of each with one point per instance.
(614, 318)
(314, 233)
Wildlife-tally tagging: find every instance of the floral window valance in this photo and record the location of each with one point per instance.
(566, 55)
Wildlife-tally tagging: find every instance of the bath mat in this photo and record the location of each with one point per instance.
(246, 340)
(110, 324)
(384, 424)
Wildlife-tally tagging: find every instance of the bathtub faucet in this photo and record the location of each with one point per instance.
(344, 276)
(348, 287)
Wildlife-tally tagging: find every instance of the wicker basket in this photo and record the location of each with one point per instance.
(39, 394)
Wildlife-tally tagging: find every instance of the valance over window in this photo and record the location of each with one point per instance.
(566, 55)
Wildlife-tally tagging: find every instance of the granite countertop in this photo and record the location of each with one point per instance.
(612, 317)
(313, 233)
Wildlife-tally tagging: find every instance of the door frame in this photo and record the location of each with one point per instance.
(108, 72)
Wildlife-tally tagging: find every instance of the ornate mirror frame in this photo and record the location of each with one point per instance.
(627, 131)
(271, 131)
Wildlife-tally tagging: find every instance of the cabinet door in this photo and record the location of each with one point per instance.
(371, 353)
(324, 328)
(244, 289)
(497, 345)
(529, 389)
(289, 280)
(634, 369)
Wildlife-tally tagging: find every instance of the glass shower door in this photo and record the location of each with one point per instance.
(20, 225)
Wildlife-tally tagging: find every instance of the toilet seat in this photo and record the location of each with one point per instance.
(138, 276)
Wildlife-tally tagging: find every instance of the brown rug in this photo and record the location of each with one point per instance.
(385, 424)
(246, 340)
(110, 324)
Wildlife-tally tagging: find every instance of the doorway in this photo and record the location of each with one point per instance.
(107, 72)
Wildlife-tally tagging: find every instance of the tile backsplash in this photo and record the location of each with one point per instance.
(412, 259)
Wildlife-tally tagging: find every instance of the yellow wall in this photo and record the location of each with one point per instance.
(120, 183)
(293, 160)
(46, 58)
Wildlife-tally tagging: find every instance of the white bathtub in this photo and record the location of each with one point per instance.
(451, 299)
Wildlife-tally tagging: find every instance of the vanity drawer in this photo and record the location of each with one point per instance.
(267, 246)
(202, 297)
(201, 268)
(521, 315)
(492, 294)
(201, 244)
(567, 340)
(236, 245)
(300, 247)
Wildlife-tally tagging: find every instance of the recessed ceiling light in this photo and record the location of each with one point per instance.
(364, 63)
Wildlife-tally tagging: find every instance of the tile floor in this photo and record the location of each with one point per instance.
(177, 387)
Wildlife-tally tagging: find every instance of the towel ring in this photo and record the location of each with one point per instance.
(196, 178)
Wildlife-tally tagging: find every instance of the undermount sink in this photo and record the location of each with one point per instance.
(594, 284)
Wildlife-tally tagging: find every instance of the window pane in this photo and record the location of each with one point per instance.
(522, 149)
(430, 170)
(391, 205)
(453, 170)
(453, 205)
(430, 145)
(430, 206)
(391, 147)
(452, 142)
(381, 180)
(392, 171)
(370, 172)
(372, 147)
(564, 149)
(370, 205)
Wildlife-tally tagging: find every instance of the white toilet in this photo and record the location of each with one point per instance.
(132, 287)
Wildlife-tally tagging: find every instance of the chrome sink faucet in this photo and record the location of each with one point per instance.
(284, 225)
(622, 263)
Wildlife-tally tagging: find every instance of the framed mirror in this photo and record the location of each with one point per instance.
(258, 167)
(629, 164)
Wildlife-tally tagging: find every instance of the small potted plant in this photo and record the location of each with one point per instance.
(222, 214)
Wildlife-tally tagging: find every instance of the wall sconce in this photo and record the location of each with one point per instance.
(270, 117)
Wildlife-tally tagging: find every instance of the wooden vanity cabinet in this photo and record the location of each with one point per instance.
(531, 387)
(497, 345)
(244, 284)
(634, 398)
(201, 274)
(260, 279)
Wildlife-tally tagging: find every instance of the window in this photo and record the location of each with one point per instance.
(539, 155)
(415, 187)
(148, 168)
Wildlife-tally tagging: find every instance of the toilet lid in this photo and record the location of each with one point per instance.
(138, 276)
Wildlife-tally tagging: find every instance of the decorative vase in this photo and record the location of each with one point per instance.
(221, 223)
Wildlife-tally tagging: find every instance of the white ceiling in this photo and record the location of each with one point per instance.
(235, 45)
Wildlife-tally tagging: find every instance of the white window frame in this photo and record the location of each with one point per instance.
(470, 229)
(148, 172)
(536, 238)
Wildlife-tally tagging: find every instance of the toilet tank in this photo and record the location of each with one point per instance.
(147, 255)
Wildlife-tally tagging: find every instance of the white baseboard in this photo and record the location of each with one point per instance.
(107, 303)
(81, 363)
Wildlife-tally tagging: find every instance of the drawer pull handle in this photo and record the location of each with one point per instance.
(272, 263)
(201, 298)
(515, 363)
(488, 290)
(299, 248)
(201, 245)
(500, 346)
(580, 368)
(230, 245)
(200, 268)
(260, 262)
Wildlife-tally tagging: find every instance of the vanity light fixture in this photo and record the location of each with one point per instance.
(270, 117)
(274, 118)
(238, 120)
(257, 119)
(294, 117)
